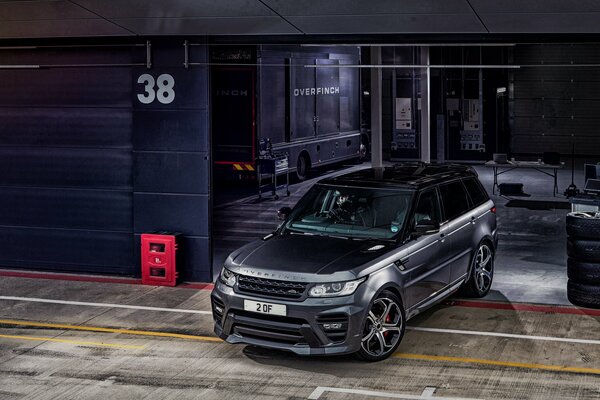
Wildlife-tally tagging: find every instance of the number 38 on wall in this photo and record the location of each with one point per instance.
(164, 92)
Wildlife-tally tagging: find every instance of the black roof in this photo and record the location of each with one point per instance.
(412, 175)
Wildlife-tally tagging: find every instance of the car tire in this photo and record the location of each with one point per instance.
(382, 330)
(481, 273)
(583, 295)
(583, 249)
(585, 272)
(583, 225)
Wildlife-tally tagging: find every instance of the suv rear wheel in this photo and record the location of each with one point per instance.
(482, 272)
(384, 327)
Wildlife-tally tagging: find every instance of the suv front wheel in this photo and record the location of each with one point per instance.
(384, 327)
(482, 272)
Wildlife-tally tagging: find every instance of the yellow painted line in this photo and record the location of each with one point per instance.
(75, 342)
(423, 357)
(249, 167)
(545, 367)
(109, 330)
(238, 167)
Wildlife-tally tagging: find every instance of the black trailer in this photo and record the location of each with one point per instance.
(298, 97)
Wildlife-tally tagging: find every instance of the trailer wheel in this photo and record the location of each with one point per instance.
(302, 166)
(364, 147)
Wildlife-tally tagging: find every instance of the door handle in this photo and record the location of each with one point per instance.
(442, 237)
(473, 220)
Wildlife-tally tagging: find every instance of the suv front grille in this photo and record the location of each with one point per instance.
(271, 287)
(266, 327)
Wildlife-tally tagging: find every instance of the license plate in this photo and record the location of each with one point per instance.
(264, 308)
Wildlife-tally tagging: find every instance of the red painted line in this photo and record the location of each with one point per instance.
(98, 279)
(497, 305)
(66, 277)
(548, 309)
(199, 286)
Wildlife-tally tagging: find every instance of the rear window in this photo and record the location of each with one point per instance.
(476, 192)
(454, 200)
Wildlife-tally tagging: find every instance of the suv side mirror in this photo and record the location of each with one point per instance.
(427, 227)
(283, 213)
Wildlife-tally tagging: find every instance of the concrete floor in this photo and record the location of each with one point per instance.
(497, 349)
(44, 354)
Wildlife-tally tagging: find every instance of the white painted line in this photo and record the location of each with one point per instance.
(505, 335)
(427, 394)
(187, 311)
(106, 305)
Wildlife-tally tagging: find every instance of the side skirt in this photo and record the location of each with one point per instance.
(435, 298)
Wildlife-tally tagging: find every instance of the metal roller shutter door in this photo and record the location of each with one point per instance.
(66, 161)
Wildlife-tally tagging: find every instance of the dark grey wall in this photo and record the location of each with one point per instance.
(554, 106)
(171, 172)
(87, 168)
(65, 157)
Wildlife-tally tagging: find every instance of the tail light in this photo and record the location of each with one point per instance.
(493, 210)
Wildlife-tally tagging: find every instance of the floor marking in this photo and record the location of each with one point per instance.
(427, 394)
(545, 367)
(109, 330)
(106, 305)
(504, 335)
(422, 357)
(96, 279)
(70, 277)
(75, 342)
(540, 308)
(202, 312)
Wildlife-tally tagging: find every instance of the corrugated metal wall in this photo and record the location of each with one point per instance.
(86, 167)
(556, 106)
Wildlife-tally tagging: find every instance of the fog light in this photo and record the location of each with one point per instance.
(219, 309)
(332, 326)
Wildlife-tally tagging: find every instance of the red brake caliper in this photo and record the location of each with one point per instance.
(388, 319)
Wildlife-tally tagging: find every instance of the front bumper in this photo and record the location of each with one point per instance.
(301, 331)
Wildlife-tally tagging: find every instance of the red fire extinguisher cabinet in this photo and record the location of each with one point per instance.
(159, 259)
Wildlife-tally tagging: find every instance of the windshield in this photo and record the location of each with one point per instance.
(363, 213)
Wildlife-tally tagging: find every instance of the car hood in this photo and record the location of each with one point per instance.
(301, 257)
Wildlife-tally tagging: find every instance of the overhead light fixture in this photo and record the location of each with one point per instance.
(413, 66)
(19, 66)
(413, 45)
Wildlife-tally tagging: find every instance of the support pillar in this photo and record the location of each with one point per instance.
(376, 93)
(425, 107)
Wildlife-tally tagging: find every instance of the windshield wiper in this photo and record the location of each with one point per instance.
(326, 235)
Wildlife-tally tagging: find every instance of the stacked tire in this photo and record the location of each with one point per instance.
(583, 264)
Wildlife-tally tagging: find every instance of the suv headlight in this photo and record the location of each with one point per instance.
(227, 277)
(335, 289)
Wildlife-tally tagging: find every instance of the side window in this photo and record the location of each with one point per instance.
(454, 200)
(428, 207)
(476, 192)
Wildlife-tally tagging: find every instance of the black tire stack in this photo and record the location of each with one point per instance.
(583, 265)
